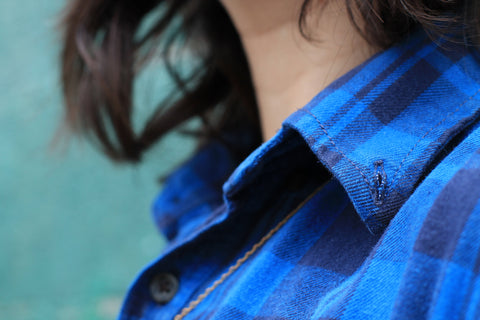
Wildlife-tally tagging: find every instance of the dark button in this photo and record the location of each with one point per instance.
(163, 287)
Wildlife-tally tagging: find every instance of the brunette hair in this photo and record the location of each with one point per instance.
(105, 44)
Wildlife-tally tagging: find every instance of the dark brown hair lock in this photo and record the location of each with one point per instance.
(102, 52)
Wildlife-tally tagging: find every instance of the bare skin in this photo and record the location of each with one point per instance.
(287, 69)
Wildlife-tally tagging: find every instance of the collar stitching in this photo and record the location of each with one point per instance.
(384, 189)
(365, 179)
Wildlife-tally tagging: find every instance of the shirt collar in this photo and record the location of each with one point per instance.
(380, 126)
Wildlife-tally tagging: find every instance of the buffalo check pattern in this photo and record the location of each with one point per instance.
(394, 233)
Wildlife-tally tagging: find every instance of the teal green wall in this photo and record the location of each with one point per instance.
(75, 228)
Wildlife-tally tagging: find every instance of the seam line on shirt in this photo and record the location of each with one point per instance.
(193, 304)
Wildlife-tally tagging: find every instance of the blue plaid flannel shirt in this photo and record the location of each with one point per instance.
(393, 234)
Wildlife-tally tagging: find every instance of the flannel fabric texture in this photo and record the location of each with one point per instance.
(394, 233)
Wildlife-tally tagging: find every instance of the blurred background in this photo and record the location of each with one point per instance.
(75, 228)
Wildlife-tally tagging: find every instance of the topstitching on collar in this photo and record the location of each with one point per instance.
(378, 127)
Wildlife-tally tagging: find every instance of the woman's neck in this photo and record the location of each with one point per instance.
(287, 69)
